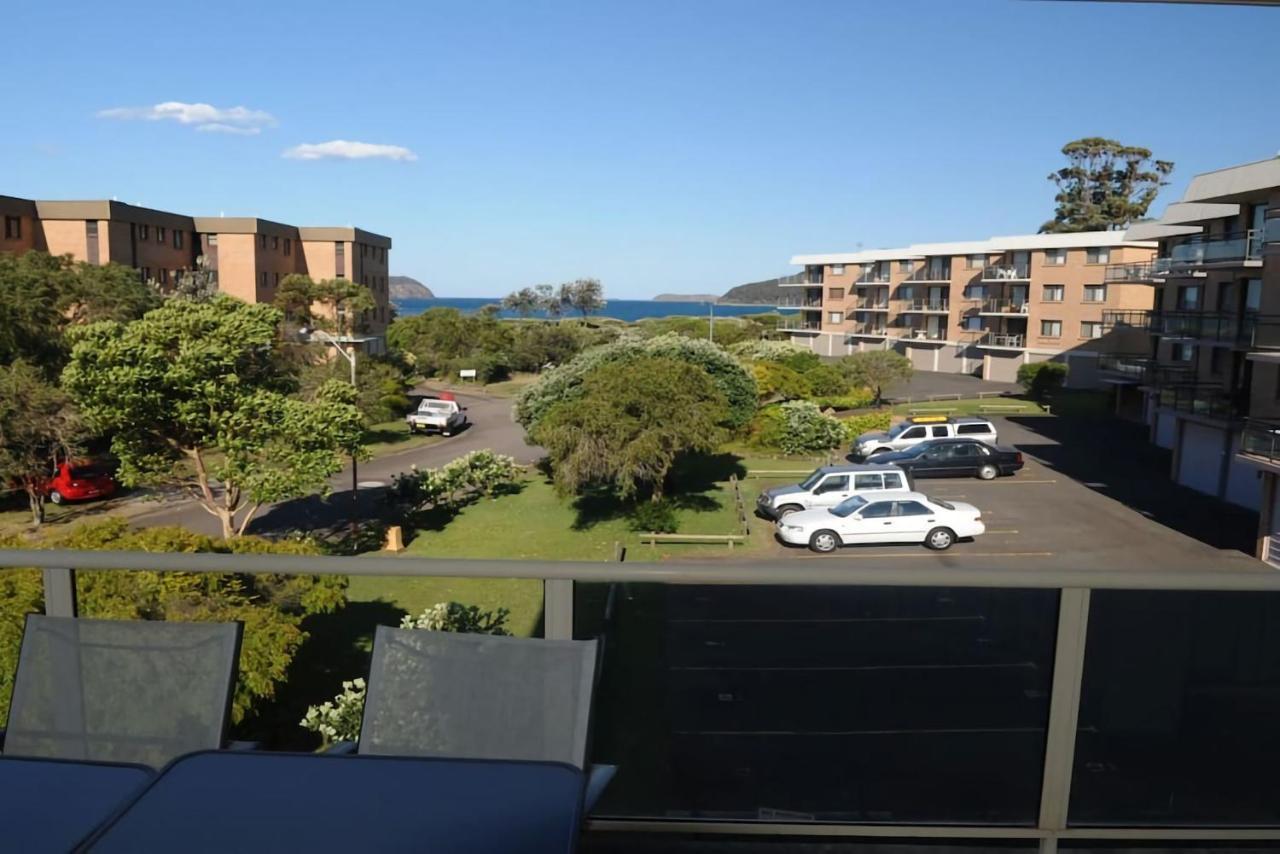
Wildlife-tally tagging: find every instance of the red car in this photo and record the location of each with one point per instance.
(80, 481)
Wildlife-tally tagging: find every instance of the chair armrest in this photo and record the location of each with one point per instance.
(342, 748)
(597, 780)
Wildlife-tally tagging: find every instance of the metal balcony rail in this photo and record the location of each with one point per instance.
(1144, 271)
(1004, 306)
(917, 333)
(1002, 687)
(873, 277)
(1200, 251)
(873, 305)
(1006, 272)
(1127, 319)
(805, 278)
(1002, 339)
(1211, 401)
(800, 302)
(1261, 438)
(929, 274)
(871, 330)
(796, 324)
(1134, 366)
(927, 305)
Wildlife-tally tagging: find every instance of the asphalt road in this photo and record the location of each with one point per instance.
(491, 427)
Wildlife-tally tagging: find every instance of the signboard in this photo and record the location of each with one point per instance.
(467, 373)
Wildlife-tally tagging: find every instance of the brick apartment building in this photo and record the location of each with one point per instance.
(1201, 365)
(981, 307)
(249, 255)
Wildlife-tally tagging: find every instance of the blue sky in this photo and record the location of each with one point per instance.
(657, 145)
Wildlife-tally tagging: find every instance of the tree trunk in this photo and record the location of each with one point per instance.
(36, 501)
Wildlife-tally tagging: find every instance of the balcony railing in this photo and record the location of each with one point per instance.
(867, 697)
(929, 274)
(1145, 271)
(870, 330)
(872, 305)
(1004, 306)
(1261, 438)
(1006, 272)
(917, 333)
(800, 302)
(1251, 330)
(873, 278)
(1210, 401)
(1227, 250)
(1002, 340)
(927, 305)
(799, 324)
(800, 280)
(1151, 372)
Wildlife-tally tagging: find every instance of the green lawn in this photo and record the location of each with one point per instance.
(523, 597)
(972, 406)
(510, 387)
(391, 436)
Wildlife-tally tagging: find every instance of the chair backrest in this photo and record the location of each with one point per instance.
(141, 691)
(478, 696)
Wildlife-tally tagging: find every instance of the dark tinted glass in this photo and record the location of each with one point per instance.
(878, 510)
(1179, 710)
(970, 429)
(912, 508)
(826, 704)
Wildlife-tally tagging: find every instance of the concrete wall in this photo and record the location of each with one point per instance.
(999, 367)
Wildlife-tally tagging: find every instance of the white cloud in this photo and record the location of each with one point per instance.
(203, 117)
(341, 149)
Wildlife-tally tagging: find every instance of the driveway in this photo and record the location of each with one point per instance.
(491, 428)
(925, 383)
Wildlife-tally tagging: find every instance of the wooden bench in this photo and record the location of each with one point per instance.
(653, 538)
(993, 409)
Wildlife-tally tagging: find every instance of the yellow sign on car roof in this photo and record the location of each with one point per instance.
(927, 419)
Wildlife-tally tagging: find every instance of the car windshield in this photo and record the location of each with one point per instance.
(849, 506)
(897, 431)
(433, 406)
(811, 481)
(938, 501)
(87, 472)
(916, 450)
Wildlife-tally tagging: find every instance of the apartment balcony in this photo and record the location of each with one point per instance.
(1206, 401)
(798, 703)
(1004, 308)
(1007, 273)
(801, 280)
(929, 275)
(1146, 272)
(920, 333)
(1146, 370)
(872, 305)
(1001, 341)
(1248, 331)
(799, 323)
(872, 278)
(805, 303)
(1260, 440)
(866, 329)
(1240, 249)
(927, 306)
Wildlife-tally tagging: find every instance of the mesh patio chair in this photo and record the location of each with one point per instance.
(482, 697)
(141, 691)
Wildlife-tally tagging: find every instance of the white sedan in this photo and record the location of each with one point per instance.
(900, 517)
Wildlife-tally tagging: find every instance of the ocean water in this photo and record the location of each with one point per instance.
(620, 309)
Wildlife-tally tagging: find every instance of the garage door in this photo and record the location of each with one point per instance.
(1166, 426)
(1243, 483)
(921, 357)
(1003, 369)
(1200, 458)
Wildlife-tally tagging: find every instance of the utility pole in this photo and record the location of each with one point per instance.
(711, 322)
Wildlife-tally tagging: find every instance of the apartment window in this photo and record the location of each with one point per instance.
(145, 273)
(973, 323)
(164, 276)
(262, 241)
(905, 268)
(277, 280)
(91, 241)
(339, 259)
(905, 292)
(177, 239)
(837, 269)
(1051, 329)
(1095, 293)
(262, 278)
(275, 242)
(1097, 255)
(977, 262)
(12, 228)
(160, 234)
(288, 246)
(213, 240)
(1189, 297)
(1090, 329)
(384, 255)
(835, 293)
(143, 232)
(1184, 352)
(1216, 358)
(1053, 293)
(1055, 257)
(835, 317)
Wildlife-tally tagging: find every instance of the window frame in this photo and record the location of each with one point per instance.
(1050, 324)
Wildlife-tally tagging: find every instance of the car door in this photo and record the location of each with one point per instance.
(868, 483)
(933, 462)
(911, 521)
(911, 436)
(873, 524)
(965, 459)
(833, 489)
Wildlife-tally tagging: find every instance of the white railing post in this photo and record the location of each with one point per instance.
(1064, 708)
(557, 609)
(59, 592)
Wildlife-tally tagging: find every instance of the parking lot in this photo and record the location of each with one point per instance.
(1046, 515)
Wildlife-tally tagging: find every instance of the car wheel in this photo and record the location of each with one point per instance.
(56, 497)
(988, 472)
(824, 541)
(940, 539)
(787, 509)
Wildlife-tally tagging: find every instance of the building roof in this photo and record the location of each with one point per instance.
(108, 209)
(1234, 183)
(15, 206)
(992, 245)
(354, 235)
(243, 225)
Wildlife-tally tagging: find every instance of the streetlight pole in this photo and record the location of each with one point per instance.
(351, 359)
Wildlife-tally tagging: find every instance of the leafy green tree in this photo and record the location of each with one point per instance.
(271, 607)
(1042, 379)
(199, 284)
(381, 390)
(338, 305)
(565, 382)
(104, 292)
(195, 396)
(583, 295)
(876, 370)
(826, 381)
(807, 430)
(39, 428)
(776, 382)
(629, 425)
(1105, 185)
(523, 302)
(549, 300)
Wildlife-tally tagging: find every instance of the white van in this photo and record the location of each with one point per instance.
(830, 485)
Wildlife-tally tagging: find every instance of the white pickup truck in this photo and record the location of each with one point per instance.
(445, 417)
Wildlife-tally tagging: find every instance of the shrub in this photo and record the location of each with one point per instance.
(1042, 379)
(763, 351)
(876, 370)
(656, 516)
(765, 430)
(826, 380)
(473, 474)
(871, 422)
(565, 382)
(807, 430)
(778, 382)
(855, 399)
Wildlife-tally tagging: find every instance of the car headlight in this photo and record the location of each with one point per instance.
(792, 528)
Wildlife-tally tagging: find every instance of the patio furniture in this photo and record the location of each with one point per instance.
(483, 697)
(48, 805)
(141, 691)
(248, 802)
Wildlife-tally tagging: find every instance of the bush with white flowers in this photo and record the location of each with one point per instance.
(339, 719)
